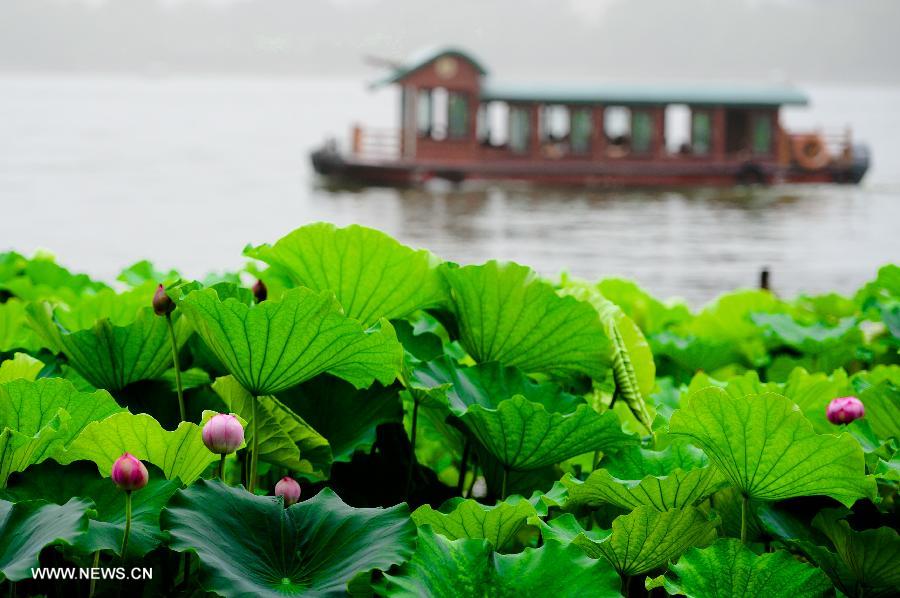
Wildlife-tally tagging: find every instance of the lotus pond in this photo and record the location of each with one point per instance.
(350, 415)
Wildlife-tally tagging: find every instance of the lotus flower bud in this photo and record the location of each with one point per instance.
(844, 410)
(129, 473)
(223, 434)
(162, 303)
(260, 291)
(289, 489)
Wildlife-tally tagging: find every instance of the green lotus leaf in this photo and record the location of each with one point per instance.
(641, 540)
(767, 449)
(649, 313)
(523, 434)
(442, 568)
(507, 314)
(347, 417)
(42, 278)
(882, 403)
(863, 563)
(39, 418)
(372, 275)
(30, 526)
(179, 454)
(729, 569)
(21, 366)
(470, 519)
(274, 345)
(54, 483)
(487, 385)
(284, 438)
(252, 546)
(14, 332)
(634, 370)
(676, 477)
(112, 340)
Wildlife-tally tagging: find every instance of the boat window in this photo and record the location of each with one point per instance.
(519, 128)
(423, 113)
(439, 113)
(617, 128)
(762, 134)
(582, 129)
(497, 122)
(641, 131)
(678, 129)
(701, 132)
(554, 123)
(458, 114)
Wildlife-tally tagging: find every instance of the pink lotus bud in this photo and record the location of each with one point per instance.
(129, 473)
(223, 434)
(162, 303)
(289, 489)
(844, 410)
(260, 291)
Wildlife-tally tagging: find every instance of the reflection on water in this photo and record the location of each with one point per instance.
(109, 170)
(692, 243)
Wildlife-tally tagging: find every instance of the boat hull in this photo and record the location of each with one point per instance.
(634, 173)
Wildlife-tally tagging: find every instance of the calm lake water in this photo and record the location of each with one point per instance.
(104, 171)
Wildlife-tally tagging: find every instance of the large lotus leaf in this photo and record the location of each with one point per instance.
(347, 417)
(38, 418)
(441, 568)
(523, 434)
(252, 546)
(21, 366)
(487, 385)
(14, 331)
(42, 278)
(372, 275)
(640, 541)
(274, 345)
(56, 484)
(507, 314)
(470, 519)
(728, 569)
(814, 338)
(882, 403)
(284, 438)
(634, 370)
(108, 354)
(676, 477)
(865, 563)
(29, 526)
(179, 454)
(767, 449)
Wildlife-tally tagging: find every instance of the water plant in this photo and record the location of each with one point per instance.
(429, 428)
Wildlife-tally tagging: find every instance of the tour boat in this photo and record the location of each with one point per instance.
(457, 123)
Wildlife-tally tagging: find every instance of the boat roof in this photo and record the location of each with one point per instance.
(637, 94)
(605, 93)
(426, 56)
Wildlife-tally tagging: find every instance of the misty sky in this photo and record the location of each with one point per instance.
(801, 40)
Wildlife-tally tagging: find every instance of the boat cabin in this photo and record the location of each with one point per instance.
(457, 122)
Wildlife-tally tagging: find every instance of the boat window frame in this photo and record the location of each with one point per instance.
(758, 117)
(707, 114)
(524, 109)
(641, 150)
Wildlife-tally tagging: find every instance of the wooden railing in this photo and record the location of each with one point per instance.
(375, 143)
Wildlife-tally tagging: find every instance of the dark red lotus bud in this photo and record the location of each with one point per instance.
(260, 291)
(162, 304)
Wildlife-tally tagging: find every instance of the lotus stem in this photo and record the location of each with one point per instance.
(186, 576)
(94, 579)
(412, 442)
(171, 327)
(503, 486)
(463, 466)
(254, 455)
(474, 479)
(127, 522)
(745, 508)
(222, 468)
